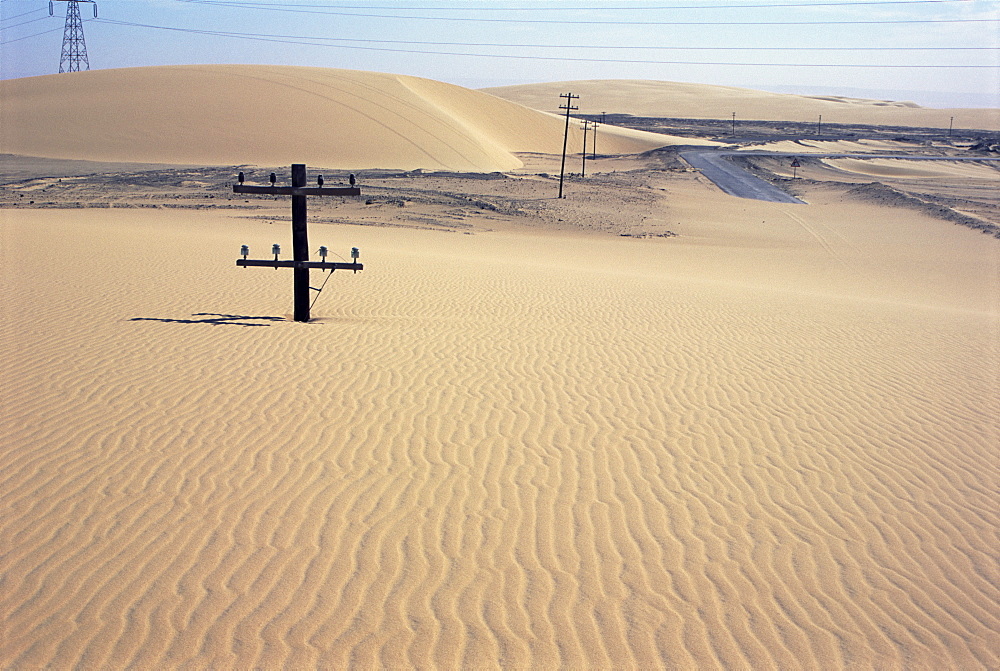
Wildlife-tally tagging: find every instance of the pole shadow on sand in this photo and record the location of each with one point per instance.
(213, 319)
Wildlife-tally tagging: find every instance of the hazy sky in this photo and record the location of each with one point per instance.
(729, 42)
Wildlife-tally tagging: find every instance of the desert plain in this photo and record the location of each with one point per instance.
(647, 425)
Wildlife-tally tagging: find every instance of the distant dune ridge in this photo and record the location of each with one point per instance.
(641, 97)
(236, 114)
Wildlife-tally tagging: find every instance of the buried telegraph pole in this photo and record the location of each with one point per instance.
(300, 263)
(568, 107)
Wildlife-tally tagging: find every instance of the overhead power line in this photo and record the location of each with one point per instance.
(326, 42)
(568, 8)
(17, 16)
(44, 32)
(336, 12)
(23, 23)
(307, 39)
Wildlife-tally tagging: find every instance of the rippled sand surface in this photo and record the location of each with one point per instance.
(770, 448)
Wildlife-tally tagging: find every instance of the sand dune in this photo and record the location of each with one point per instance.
(762, 436)
(898, 168)
(863, 146)
(702, 101)
(767, 443)
(274, 115)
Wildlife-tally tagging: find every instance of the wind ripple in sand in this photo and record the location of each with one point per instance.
(490, 461)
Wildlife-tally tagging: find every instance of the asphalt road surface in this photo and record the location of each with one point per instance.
(736, 181)
(733, 179)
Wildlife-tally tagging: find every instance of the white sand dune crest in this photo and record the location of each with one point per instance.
(275, 115)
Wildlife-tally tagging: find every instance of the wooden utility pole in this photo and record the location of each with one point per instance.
(593, 150)
(734, 123)
(586, 127)
(569, 107)
(819, 125)
(300, 263)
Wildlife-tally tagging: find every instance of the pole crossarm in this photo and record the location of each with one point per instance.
(308, 265)
(298, 190)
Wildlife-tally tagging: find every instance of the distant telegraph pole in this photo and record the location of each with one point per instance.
(734, 123)
(74, 48)
(586, 127)
(569, 107)
(819, 125)
(593, 151)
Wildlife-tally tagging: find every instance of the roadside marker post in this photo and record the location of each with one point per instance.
(300, 263)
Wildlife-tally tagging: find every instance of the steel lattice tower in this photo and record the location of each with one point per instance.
(74, 48)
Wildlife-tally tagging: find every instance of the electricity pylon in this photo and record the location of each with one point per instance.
(74, 48)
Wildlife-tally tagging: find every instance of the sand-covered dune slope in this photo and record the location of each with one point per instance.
(703, 101)
(768, 443)
(267, 115)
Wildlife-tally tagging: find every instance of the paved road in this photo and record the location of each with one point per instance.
(733, 179)
(736, 181)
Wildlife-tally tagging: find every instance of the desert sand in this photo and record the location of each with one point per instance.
(700, 101)
(231, 114)
(645, 426)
